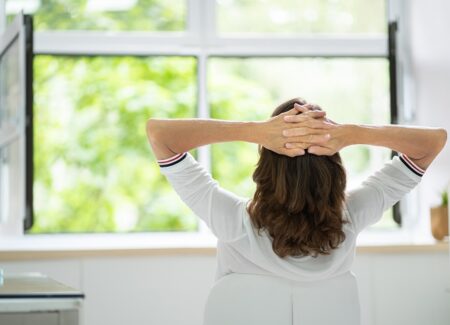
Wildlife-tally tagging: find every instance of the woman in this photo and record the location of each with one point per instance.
(300, 225)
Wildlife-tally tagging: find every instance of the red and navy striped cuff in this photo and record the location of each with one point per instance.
(172, 160)
(412, 166)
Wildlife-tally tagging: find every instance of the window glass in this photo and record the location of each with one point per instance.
(10, 86)
(94, 169)
(4, 185)
(351, 90)
(110, 15)
(302, 16)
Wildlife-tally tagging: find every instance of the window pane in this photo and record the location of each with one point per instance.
(304, 16)
(10, 86)
(111, 15)
(11, 189)
(350, 90)
(94, 169)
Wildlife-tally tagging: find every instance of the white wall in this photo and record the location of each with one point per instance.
(430, 49)
(394, 289)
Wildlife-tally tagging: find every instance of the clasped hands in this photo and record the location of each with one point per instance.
(302, 128)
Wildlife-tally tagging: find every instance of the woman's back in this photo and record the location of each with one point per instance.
(242, 249)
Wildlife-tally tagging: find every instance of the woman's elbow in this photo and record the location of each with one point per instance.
(442, 138)
(437, 142)
(153, 129)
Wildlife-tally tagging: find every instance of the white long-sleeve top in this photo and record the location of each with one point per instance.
(239, 247)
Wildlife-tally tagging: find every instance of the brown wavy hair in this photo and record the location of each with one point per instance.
(299, 200)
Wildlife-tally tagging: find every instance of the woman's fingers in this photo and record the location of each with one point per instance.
(297, 108)
(301, 108)
(299, 149)
(304, 116)
(320, 151)
(308, 139)
(300, 131)
(310, 123)
(307, 107)
(298, 145)
(291, 112)
(291, 152)
(297, 132)
(313, 124)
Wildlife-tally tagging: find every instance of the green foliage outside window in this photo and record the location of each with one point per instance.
(302, 16)
(125, 15)
(94, 169)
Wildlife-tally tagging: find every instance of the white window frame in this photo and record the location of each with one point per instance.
(202, 41)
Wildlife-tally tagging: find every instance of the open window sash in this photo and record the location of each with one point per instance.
(14, 108)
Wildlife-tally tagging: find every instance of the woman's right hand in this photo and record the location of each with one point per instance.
(335, 144)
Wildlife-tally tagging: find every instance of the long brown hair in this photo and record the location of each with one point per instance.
(299, 200)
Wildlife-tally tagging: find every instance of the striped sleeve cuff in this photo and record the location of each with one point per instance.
(411, 166)
(172, 160)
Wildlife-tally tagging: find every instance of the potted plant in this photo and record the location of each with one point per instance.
(439, 218)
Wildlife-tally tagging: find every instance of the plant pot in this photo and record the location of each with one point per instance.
(439, 221)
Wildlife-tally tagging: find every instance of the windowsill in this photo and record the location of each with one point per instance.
(89, 245)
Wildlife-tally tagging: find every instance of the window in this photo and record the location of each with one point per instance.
(101, 15)
(102, 68)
